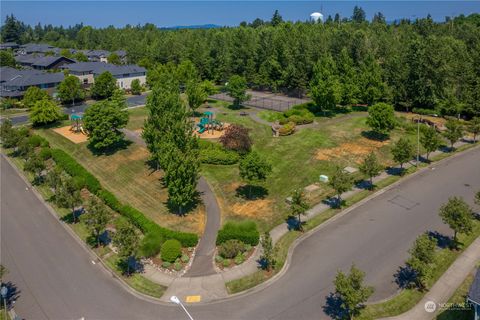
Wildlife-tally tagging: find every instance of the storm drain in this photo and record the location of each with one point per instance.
(403, 202)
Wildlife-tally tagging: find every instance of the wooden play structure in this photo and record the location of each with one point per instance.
(208, 124)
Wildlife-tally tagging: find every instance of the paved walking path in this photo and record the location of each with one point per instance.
(445, 287)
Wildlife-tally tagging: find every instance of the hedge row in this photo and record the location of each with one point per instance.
(245, 231)
(136, 217)
(214, 153)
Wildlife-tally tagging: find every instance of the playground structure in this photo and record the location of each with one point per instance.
(77, 124)
(208, 124)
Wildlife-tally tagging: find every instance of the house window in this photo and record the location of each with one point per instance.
(85, 81)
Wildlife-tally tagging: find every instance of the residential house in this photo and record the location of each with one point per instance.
(14, 82)
(125, 74)
(8, 46)
(473, 296)
(41, 62)
(37, 48)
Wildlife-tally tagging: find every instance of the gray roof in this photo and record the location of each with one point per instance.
(97, 53)
(23, 78)
(100, 67)
(474, 292)
(49, 60)
(8, 45)
(28, 58)
(121, 53)
(37, 47)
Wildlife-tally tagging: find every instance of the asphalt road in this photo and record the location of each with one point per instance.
(57, 280)
(131, 102)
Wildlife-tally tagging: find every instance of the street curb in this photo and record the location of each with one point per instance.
(93, 256)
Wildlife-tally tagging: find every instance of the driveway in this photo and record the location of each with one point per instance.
(57, 279)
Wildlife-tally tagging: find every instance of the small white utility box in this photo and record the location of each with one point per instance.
(323, 178)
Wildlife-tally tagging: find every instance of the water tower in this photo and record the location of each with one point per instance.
(316, 17)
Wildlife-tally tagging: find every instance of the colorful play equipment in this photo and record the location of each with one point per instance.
(77, 124)
(207, 122)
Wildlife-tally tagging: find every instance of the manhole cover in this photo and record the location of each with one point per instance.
(403, 202)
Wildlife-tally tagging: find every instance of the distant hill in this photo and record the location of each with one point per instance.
(200, 26)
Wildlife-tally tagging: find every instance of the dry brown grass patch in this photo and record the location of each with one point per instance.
(255, 209)
(355, 149)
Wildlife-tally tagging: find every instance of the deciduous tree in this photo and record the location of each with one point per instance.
(454, 132)
(68, 195)
(474, 128)
(96, 218)
(32, 95)
(381, 118)
(195, 95)
(351, 291)
(104, 86)
(237, 89)
(341, 181)
(403, 151)
(45, 111)
(254, 169)
(136, 87)
(430, 139)
(70, 89)
(103, 121)
(458, 215)
(370, 167)
(267, 259)
(126, 240)
(236, 137)
(422, 256)
(298, 206)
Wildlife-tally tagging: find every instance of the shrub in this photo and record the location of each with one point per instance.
(171, 250)
(166, 264)
(248, 247)
(45, 153)
(287, 129)
(231, 248)
(218, 259)
(218, 156)
(177, 266)
(239, 259)
(226, 263)
(299, 115)
(150, 245)
(422, 111)
(37, 141)
(185, 258)
(245, 231)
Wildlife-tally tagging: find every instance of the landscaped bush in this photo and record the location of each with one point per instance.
(166, 264)
(45, 153)
(137, 218)
(299, 115)
(150, 245)
(424, 112)
(245, 231)
(287, 129)
(231, 248)
(177, 266)
(74, 169)
(218, 156)
(185, 258)
(36, 141)
(226, 263)
(239, 259)
(171, 250)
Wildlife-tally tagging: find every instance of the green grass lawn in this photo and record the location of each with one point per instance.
(297, 162)
(458, 301)
(136, 118)
(127, 175)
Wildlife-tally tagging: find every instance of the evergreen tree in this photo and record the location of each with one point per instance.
(276, 19)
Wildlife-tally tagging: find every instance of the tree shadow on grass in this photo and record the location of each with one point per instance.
(372, 135)
(364, 184)
(251, 192)
(237, 107)
(294, 224)
(73, 217)
(333, 307)
(174, 209)
(443, 241)
(122, 145)
(334, 203)
(327, 113)
(12, 294)
(395, 171)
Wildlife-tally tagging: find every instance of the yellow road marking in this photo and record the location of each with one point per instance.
(191, 299)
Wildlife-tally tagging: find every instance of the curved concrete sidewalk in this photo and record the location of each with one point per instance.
(445, 287)
(203, 261)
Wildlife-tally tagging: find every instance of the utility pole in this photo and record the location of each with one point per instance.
(418, 141)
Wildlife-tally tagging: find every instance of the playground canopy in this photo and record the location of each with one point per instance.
(208, 113)
(76, 117)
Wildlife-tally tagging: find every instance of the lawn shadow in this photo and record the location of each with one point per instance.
(364, 184)
(372, 135)
(333, 307)
(294, 224)
(237, 107)
(443, 241)
(130, 266)
(333, 202)
(395, 171)
(72, 217)
(251, 192)
(122, 145)
(174, 209)
(405, 277)
(12, 293)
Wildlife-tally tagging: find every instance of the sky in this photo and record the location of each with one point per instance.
(224, 13)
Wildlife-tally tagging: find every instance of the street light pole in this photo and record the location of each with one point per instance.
(175, 300)
(418, 142)
(3, 293)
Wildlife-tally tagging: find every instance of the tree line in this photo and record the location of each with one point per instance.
(411, 64)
